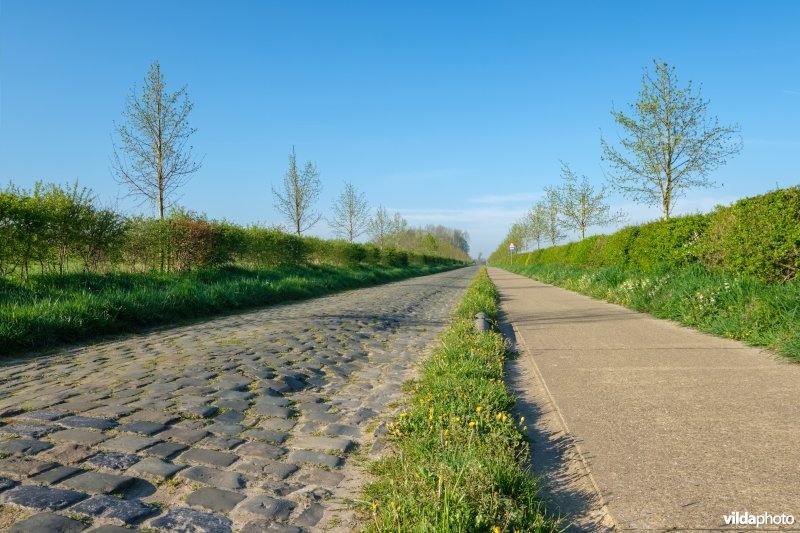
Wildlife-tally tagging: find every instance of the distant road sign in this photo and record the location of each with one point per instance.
(512, 246)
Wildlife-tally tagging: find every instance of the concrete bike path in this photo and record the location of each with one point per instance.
(645, 425)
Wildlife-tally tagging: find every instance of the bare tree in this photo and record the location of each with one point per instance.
(299, 190)
(153, 158)
(379, 227)
(671, 142)
(350, 213)
(580, 205)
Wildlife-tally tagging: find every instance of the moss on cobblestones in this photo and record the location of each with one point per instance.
(459, 458)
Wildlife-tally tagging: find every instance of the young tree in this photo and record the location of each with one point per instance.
(153, 158)
(670, 143)
(350, 213)
(379, 227)
(518, 234)
(299, 190)
(536, 223)
(551, 213)
(397, 227)
(580, 205)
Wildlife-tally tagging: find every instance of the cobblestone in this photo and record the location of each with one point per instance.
(183, 520)
(242, 423)
(111, 508)
(98, 482)
(41, 498)
(27, 446)
(215, 500)
(50, 522)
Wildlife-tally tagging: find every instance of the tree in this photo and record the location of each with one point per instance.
(299, 190)
(580, 205)
(518, 234)
(536, 223)
(153, 159)
(671, 143)
(350, 213)
(552, 220)
(397, 226)
(379, 227)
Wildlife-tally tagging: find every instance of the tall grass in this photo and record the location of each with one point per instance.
(736, 307)
(55, 309)
(459, 458)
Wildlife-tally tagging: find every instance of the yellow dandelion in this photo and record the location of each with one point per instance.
(479, 409)
(472, 424)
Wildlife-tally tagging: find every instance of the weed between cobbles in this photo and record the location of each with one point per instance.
(52, 310)
(459, 458)
(735, 307)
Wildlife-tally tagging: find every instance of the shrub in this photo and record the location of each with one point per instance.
(674, 241)
(757, 236)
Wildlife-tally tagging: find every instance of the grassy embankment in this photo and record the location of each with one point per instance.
(51, 310)
(459, 458)
(736, 307)
(732, 272)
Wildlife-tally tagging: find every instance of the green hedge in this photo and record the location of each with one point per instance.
(60, 230)
(758, 236)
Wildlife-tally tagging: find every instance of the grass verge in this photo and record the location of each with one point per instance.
(459, 458)
(736, 307)
(53, 310)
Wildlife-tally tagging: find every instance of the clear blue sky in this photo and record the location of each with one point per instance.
(449, 112)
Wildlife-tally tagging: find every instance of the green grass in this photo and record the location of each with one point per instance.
(736, 307)
(52, 310)
(459, 458)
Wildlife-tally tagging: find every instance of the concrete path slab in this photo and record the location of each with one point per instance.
(646, 425)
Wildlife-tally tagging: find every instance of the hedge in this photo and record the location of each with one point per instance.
(758, 236)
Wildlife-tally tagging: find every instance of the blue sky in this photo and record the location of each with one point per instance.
(448, 112)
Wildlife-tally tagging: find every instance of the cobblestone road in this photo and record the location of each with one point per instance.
(247, 423)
